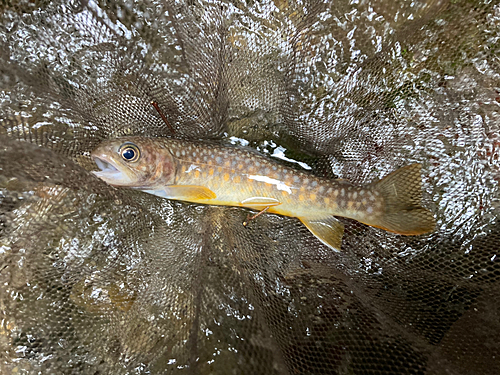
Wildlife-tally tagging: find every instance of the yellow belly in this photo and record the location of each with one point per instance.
(251, 189)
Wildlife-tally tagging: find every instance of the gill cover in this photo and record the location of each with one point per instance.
(135, 162)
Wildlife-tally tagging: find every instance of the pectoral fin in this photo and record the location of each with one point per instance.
(190, 193)
(328, 230)
(259, 203)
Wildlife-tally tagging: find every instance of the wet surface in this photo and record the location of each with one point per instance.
(98, 279)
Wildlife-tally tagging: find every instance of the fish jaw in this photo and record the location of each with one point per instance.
(112, 173)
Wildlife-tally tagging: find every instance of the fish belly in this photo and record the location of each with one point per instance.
(258, 186)
(233, 177)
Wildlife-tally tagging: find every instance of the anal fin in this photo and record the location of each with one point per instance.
(327, 229)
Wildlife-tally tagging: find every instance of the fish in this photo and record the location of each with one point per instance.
(214, 174)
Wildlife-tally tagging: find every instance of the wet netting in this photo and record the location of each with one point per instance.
(102, 280)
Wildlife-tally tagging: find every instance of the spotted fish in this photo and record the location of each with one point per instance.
(234, 176)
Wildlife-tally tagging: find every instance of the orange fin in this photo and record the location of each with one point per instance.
(259, 203)
(328, 230)
(402, 193)
(190, 193)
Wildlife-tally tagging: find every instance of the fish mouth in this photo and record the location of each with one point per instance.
(108, 172)
(104, 166)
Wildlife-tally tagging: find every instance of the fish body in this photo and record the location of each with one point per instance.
(213, 174)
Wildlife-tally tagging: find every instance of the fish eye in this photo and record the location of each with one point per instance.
(130, 152)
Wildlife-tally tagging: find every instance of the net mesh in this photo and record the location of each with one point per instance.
(98, 280)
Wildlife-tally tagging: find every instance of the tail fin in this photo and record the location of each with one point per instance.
(402, 193)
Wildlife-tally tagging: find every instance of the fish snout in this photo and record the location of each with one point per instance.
(103, 164)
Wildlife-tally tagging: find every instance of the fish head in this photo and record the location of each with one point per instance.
(135, 162)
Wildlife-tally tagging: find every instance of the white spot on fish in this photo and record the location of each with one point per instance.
(193, 167)
(280, 185)
(321, 189)
(218, 159)
(177, 153)
(369, 209)
(354, 195)
(342, 192)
